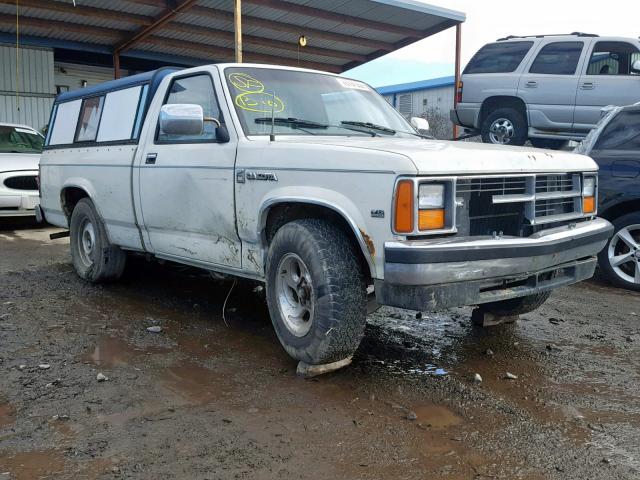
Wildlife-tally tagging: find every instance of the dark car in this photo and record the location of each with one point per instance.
(615, 145)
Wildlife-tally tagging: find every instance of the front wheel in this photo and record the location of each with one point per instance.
(316, 292)
(94, 258)
(619, 260)
(505, 126)
(516, 306)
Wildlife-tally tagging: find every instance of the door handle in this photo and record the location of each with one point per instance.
(587, 86)
(151, 158)
(531, 84)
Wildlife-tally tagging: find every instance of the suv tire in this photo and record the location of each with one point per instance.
(94, 258)
(316, 292)
(504, 126)
(516, 306)
(548, 143)
(624, 274)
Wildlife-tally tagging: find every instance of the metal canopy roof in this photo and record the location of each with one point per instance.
(341, 34)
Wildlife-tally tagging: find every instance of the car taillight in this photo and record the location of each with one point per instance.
(459, 91)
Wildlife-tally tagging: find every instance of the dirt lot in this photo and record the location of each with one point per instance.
(209, 399)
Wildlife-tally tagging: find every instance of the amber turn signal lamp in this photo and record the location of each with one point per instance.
(431, 219)
(403, 218)
(588, 204)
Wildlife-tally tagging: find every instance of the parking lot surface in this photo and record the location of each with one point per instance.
(215, 398)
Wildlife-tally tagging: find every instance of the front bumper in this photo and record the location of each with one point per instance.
(18, 204)
(454, 271)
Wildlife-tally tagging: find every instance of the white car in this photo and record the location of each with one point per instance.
(20, 148)
(313, 184)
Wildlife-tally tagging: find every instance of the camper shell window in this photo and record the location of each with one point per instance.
(109, 113)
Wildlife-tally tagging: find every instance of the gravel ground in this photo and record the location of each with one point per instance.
(206, 399)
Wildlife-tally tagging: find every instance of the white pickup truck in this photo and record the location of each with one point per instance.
(313, 184)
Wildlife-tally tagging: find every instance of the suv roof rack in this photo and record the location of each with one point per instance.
(574, 34)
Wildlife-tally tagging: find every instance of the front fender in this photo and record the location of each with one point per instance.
(331, 199)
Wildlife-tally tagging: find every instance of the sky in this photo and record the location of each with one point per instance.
(488, 20)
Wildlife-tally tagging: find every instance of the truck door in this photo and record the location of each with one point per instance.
(549, 86)
(608, 79)
(186, 185)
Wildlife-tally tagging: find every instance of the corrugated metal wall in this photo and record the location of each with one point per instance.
(34, 79)
(440, 99)
(432, 103)
(70, 76)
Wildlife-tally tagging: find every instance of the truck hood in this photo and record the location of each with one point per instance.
(435, 157)
(19, 161)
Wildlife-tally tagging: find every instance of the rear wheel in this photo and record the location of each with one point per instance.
(94, 258)
(516, 306)
(548, 143)
(619, 261)
(316, 292)
(505, 126)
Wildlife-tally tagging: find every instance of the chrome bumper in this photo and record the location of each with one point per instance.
(458, 271)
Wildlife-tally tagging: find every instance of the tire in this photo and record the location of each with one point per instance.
(508, 124)
(548, 143)
(323, 320)
(94, 258)
(516, 306)
(623, 275)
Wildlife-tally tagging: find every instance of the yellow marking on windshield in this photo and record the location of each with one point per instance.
(253, 97)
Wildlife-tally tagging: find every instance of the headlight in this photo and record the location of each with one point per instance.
(430, 195)
(588, 186)
(424, 205)
(588, 194)
(431, 206)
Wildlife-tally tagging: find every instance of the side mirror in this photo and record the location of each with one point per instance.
(635, 66)
(222, 134)
(420, 124)
(181, 119)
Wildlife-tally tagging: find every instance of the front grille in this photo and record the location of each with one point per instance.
(547, 208)
(23, 182)
(513, 205)
(495, 185)
(554, 183)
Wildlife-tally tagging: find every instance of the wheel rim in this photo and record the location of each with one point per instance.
(624, 254)
(296, 295)
(86, 242)
(501, 131)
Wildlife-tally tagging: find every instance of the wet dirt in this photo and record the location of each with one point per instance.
(202, 399)
(7, 414)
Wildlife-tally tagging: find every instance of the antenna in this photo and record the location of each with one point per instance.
(272, 136)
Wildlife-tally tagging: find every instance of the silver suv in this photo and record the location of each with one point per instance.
(546, 88)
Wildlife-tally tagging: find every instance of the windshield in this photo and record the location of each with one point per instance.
(306, 103)
(19, 140)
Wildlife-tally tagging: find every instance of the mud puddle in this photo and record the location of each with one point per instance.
(7, 414)
(31, 465)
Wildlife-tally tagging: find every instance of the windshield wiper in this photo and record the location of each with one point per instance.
(306, 125)
(370, 126)
(291, 122)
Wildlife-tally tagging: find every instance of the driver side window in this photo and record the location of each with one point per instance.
(195, 90)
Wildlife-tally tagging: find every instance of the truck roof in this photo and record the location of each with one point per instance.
(153, 78)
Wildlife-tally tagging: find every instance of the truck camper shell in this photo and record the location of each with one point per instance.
(106, 114)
